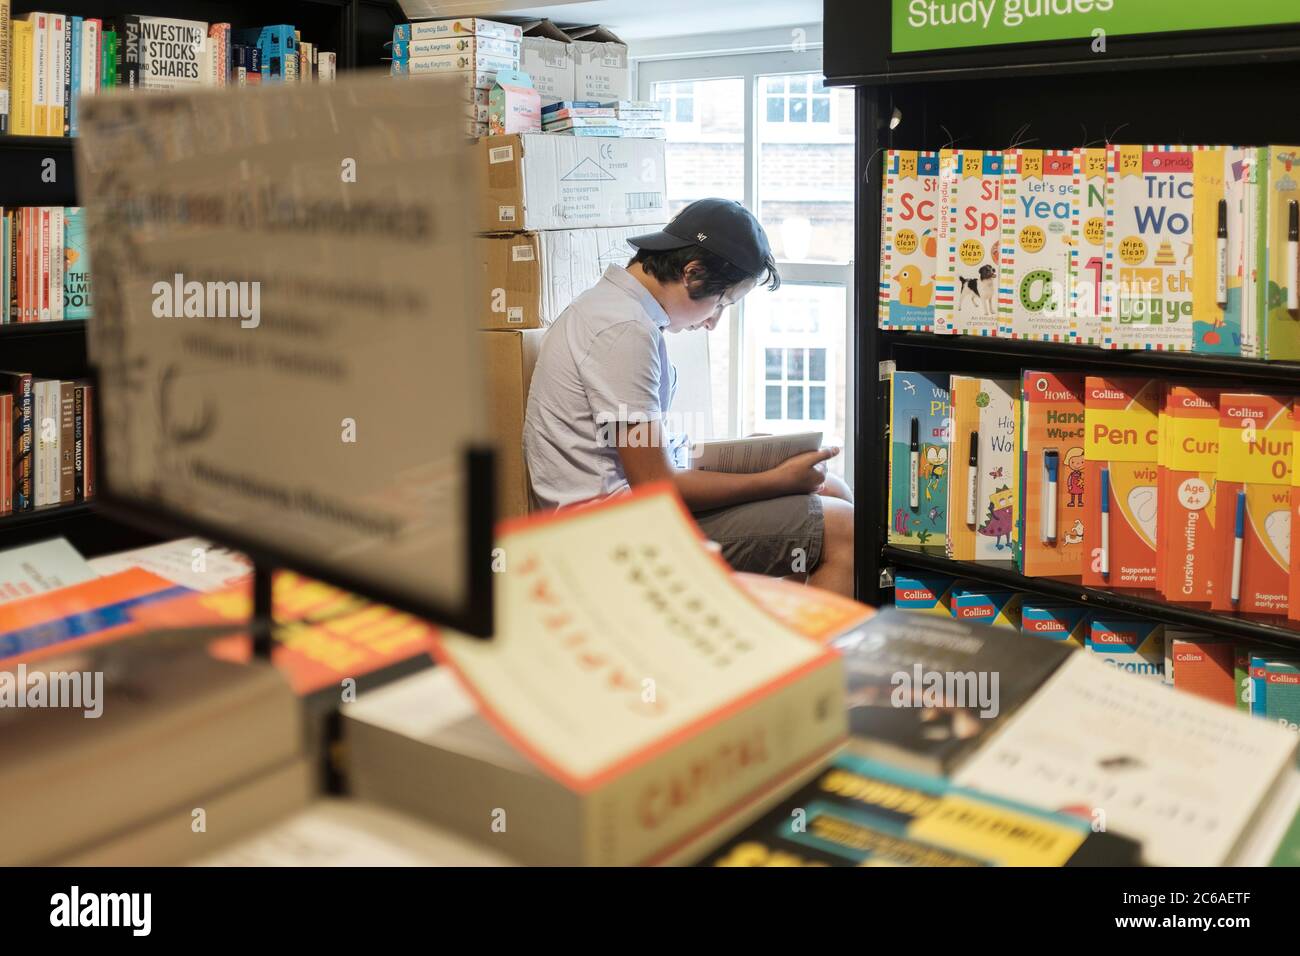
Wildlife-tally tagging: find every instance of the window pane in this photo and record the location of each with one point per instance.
(794, 365)
(775, 84)
(805, 177)
(775, 109)
(705, 140)
(794, 403)
(773, 409)
(819, 85)
(816, 365)
(816, 403)
(773, 365)
(799, 83)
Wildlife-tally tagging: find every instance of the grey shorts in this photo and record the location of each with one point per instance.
(776, 536)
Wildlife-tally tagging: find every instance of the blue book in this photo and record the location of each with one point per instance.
(74, 85)
(274, 44)
(918, 458)
(1282, 677)
(1258, 685)
(76, 265)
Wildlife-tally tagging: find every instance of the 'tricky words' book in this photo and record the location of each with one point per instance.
(1051, 474)
(1152, 194)
(970, 236)
(982, 494)
(1253, 508)
(909, 240)
(1122, 417)
(1038, 205)
(918, 458)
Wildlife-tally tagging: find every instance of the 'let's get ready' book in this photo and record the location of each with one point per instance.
(1037, 198)
(1121, 450)
(970, 235)
(918, 458)
(982, 496)
(1253, 504)
(1052, 491)
(909, 239)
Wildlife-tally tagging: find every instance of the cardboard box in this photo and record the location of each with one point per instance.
(461, 63)
(463, 26)
(538, 181)
(510, 357)
(550, 63)
(513, 105)
(440, 46)
(600, 66)
(533, 276)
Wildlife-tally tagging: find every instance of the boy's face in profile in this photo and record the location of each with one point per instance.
(687, 314)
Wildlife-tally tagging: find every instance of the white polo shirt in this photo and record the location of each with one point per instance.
(603, 361)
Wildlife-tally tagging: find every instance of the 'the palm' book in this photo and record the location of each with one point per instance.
(909, 239)
(982, 493)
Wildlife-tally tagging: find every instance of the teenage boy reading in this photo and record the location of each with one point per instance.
(603, 384)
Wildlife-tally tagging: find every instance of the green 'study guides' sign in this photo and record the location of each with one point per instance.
(954, 24)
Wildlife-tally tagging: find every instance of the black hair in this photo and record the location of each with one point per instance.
(718, 275)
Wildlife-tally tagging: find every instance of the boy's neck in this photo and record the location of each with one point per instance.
(652, 285)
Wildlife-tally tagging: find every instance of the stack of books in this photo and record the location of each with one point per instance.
(44, 264)
(55, 59)
(470, 50)
(46, 442)
(627, 118)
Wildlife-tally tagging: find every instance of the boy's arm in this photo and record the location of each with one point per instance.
(645, 459)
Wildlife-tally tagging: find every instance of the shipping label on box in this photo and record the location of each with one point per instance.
(550, 64)
(539, 181)
(600, 71)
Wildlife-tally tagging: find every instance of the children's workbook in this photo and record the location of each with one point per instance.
(1120, 450)
(909, 239)
(1151, 269)
(1293, 602)
(969, 241)
(1216, 328)
(918, 458)
(1090, 232)
(982, 486)
(1245, 228)
(1253, 504)
(1065, 623)
(1277, 292)
(1037, 206)
(1204, 666)
(994, 607)
(1185, 513)
(1129, 644)
(1051, 474)
(924, 592)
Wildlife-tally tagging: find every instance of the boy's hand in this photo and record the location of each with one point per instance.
(802, 474)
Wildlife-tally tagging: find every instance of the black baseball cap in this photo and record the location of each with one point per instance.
(722, 226)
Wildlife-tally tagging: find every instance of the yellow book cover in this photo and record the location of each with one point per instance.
(20, 105)
(982, 487)
(1214, 330)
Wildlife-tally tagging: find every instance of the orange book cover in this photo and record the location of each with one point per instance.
(80, 615)
(1122, 418)
(1189, 461)
(1253, 507)
(1052, 419)
(1204, 666)
(813, 612)
(1293, 604)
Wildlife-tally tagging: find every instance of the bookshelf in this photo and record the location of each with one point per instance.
(58, 349)
(1212, 86)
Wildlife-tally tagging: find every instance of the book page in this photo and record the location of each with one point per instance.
(616, 631)
(745, 456)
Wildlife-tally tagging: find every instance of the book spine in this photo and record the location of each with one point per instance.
(62, 75)
(6, 454)
(22, 443)
(57, 253)
(77, 301)
(58, 61)
(20, 78)
(79, 442)
(31, 251)
(74, 74)
(67, 442)
(128, 52)
(90, 44)
(40, 75)
(88, 442)
(43, 265)
(6, 240)
(5, 65)
(15, 261)
(108, 60)
(327, 65)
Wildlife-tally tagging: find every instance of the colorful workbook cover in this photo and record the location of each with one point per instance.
(1065, 623)
(969, 242)
(1293, 601)
(1152, 193)
(982, 494)
(995, 607)
(1253, 504)
(1245, 229)
(1216, 328)
(925, 592)
(76, 270)
(1090, 231)
(909, 239)
(1129, 644)
(918, 458)
(1245, 687)
(1051, 474)
(1204, 666)
(1037, 207)
(1122, 418)
(1185, 513)
(1282, 693)
(1277, 292)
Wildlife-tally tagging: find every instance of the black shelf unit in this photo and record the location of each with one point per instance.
(1223, 86)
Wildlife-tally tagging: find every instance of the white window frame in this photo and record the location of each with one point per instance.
(750, 66)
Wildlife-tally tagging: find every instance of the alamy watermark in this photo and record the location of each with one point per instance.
(181, 299)
(965, 690)
(77, 690)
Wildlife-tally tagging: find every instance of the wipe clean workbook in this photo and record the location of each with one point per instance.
(909, 239)
(1037, 208)
(970, 235)
(918, 458)
(982, 488)
(1090, 233)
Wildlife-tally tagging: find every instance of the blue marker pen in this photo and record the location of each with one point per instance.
(1238, 540)
(1105, 523)
(1052, 467)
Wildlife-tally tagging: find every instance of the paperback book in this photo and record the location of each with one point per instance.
(918, 458)
(1185, 512)
(1064, 623)
(1091, 231)
(970, 236)
(982, 491)
(1133, 645)
(1052, 489)
(1038, 205)
(909, 239)
(1278, 289)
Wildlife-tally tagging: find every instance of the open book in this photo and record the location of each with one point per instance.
(745, 456)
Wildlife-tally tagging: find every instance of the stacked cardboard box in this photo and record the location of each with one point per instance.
(577, 63)
(468, 50)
